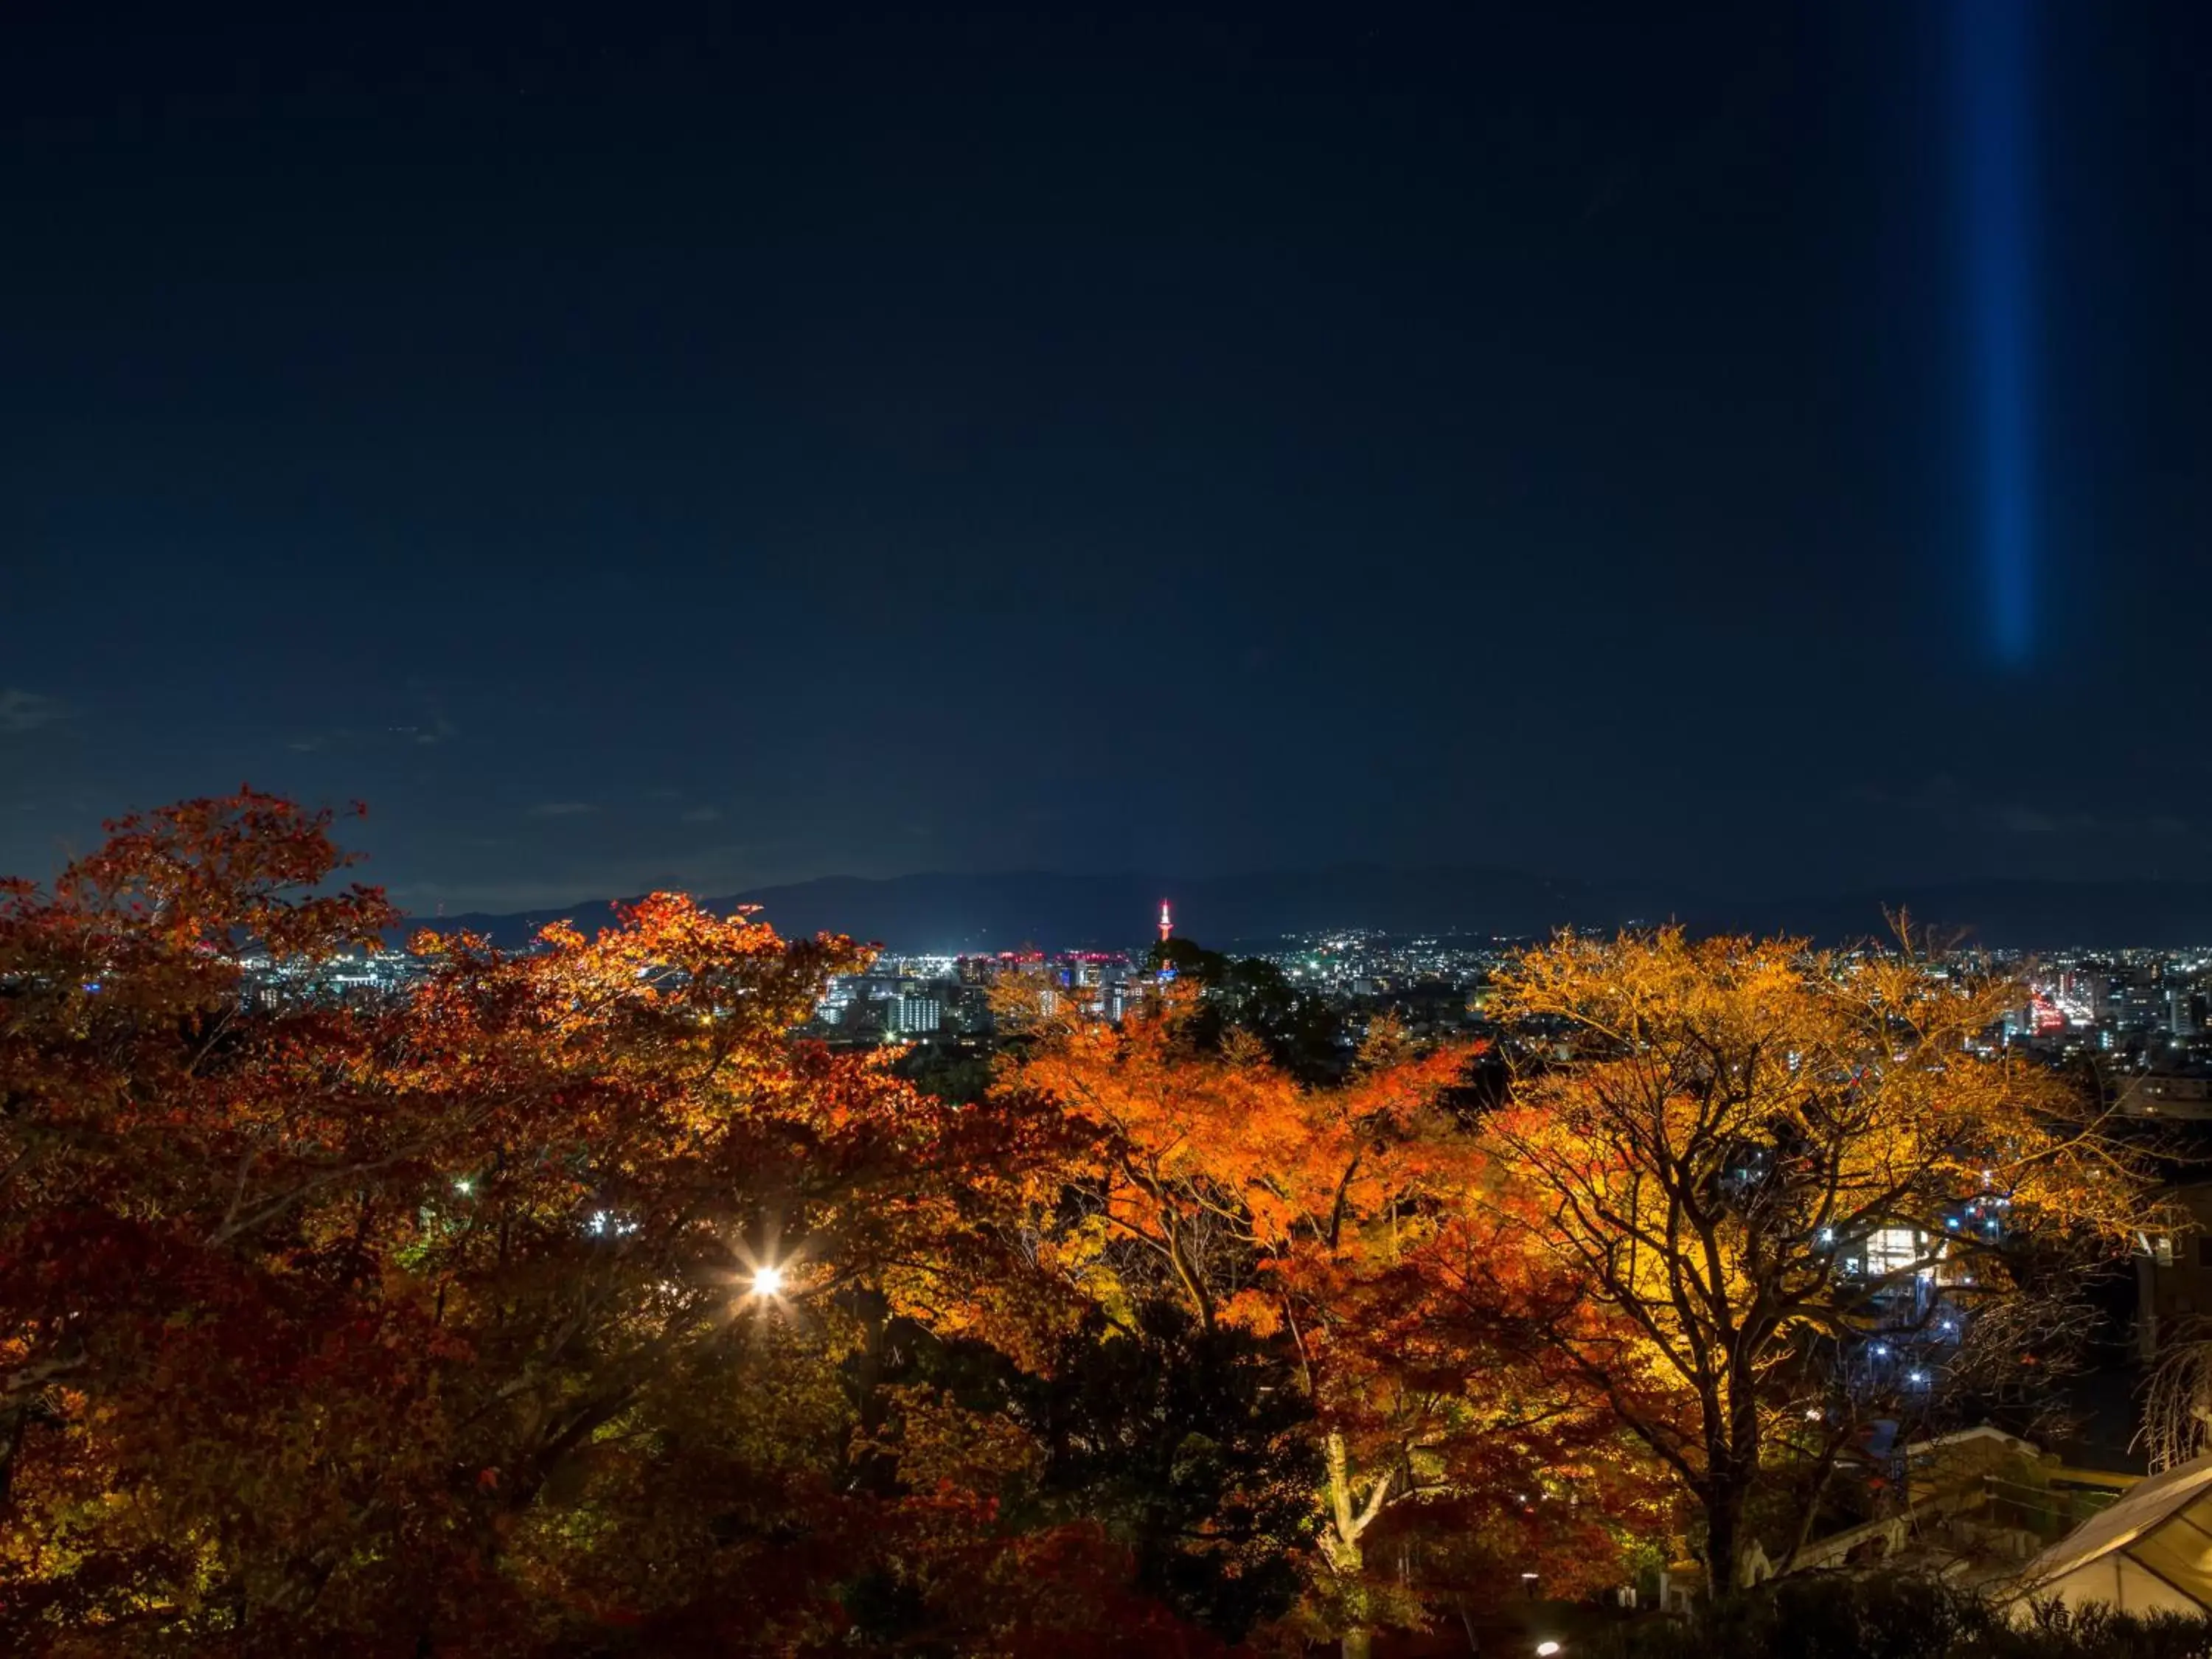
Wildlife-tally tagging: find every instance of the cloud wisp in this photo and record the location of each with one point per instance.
(26, 711)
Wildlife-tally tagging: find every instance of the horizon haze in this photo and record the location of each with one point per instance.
(947, 912)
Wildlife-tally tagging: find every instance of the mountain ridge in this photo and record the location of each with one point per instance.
(949, 912)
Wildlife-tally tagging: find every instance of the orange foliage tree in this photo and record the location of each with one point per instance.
(1320, 1217)
(426, 1323)
(1751, 1158)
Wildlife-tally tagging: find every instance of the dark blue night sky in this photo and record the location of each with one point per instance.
(1759, 447)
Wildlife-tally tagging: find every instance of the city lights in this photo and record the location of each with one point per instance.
(1204, 815)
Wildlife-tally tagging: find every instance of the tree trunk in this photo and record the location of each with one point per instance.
(1723, 1541)
(1732, 1474)
(1340, 1542)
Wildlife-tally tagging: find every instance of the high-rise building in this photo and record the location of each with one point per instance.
(914, 1016)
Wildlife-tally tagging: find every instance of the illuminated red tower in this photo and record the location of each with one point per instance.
(1167, 922)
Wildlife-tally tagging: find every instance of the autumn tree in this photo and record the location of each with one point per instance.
(1300, 1214)
(1186, 1447)
(1774, 1175)
(520, 1312)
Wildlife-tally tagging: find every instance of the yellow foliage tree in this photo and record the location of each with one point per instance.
(1755, 1156)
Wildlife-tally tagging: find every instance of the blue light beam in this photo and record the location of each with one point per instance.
(1991, 66)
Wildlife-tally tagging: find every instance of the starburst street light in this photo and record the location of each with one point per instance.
(768, 1281)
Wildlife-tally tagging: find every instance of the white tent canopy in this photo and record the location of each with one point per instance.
(2150, 1552)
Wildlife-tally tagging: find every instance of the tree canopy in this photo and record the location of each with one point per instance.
(434, 1316)
(568, 1301)
(1788, 1183)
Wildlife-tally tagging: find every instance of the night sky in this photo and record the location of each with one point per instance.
(1758, 447)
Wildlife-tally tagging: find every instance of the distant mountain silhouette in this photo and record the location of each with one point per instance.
(971, 913)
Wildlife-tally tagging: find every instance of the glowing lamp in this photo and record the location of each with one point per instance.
(1546, 1649)
(768, 1281)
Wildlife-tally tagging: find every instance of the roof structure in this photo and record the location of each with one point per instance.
(2152, 1549)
